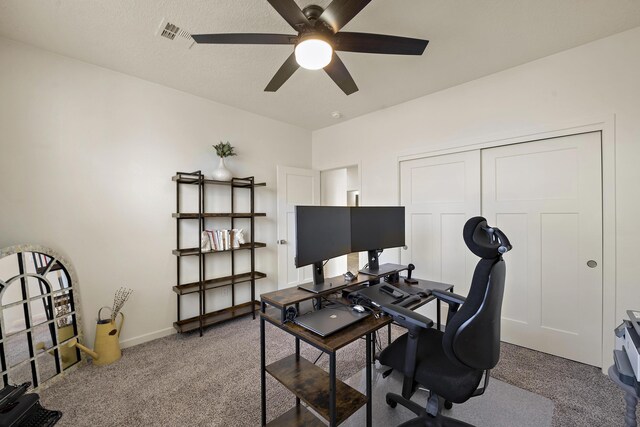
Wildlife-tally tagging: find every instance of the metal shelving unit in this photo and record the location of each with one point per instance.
(204, 284)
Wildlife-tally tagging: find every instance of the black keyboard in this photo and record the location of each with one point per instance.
(40, 417)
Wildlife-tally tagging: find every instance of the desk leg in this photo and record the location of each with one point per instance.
(389, 334)
(263, 372)
(373, 349)
(297, 358)
(438, 320)
(369, 393)
(333, 419)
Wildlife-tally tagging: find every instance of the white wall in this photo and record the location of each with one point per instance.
(353, 178)
(598, 80)
(86, 160)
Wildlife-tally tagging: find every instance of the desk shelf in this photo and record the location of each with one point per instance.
(298, 416)
(333, 342)
(311, 384)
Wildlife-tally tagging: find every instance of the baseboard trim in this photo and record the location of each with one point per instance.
(147, 337)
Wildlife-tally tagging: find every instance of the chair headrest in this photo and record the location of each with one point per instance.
(483, 240)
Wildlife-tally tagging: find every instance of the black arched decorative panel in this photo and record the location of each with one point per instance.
(39, 316)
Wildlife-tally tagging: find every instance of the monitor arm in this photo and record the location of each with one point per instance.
(374, 263)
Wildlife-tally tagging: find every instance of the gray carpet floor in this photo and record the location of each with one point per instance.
(502, 405)
(214, 381)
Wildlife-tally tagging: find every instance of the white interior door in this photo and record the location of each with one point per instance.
(295, 186)
(547, 196)
(439, 194)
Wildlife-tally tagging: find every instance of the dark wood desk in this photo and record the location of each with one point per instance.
(334, 400)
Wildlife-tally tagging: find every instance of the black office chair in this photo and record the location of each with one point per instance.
(451, 364)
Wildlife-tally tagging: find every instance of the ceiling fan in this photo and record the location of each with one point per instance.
(318, 39)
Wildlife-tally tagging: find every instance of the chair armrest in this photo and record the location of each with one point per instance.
(414, 323)
(407, 318)
(448, 297)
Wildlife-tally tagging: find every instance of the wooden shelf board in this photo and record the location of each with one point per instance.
(214, 317)
(195, 215)
(311, 384)
(298, 416)
(189, 288)
(240, 183)
(196, 251)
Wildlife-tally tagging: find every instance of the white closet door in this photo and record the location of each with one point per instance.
(295, 186)
(439, 194)
(547, 196)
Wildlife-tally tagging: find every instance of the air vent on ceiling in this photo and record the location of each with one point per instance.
(171, 31)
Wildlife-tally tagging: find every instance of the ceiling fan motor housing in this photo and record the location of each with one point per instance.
(312, 12)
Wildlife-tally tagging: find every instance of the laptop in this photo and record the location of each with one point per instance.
(329, 320)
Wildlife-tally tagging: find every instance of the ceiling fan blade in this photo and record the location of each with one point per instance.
(245, 38)
(291, 13)
(378, 43)
(339, 12)
(340, 75)
(282, 75)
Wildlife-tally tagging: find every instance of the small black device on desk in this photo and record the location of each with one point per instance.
(18, 409)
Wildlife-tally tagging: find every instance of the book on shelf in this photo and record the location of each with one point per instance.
(222, 240)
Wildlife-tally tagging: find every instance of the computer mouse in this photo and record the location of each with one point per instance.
(359, 308)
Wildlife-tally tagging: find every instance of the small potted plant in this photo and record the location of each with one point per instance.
(223, 150)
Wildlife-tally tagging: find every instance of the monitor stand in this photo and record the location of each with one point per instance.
(318, 285)
(375, 269)
(382, 270)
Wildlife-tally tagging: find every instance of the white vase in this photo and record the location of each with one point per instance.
(222, 173)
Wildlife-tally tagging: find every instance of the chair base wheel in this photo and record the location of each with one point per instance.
(448, 404)
(391, 403)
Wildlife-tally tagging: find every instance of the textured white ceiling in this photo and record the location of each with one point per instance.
(468, 39)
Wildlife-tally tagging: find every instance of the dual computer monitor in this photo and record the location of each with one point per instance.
(325, 232)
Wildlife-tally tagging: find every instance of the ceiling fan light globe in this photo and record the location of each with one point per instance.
(313, 54)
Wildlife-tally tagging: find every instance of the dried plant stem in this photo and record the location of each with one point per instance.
(122, 295)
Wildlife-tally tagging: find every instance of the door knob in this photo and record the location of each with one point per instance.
(592, 264)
